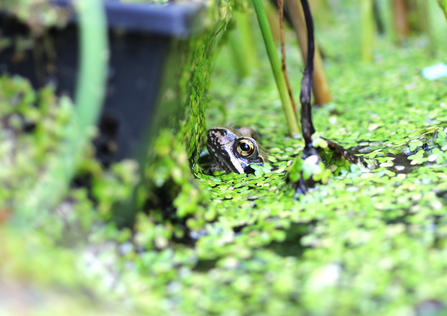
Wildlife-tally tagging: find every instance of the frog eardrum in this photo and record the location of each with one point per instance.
(234, 150)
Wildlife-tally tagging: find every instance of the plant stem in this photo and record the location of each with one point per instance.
(402, 29)
(242, 45)
(239, 54)
(308, 128)
(424, 18)
(283, 54)
(367, 30)
(321, 91)
(292, 122)
(273, 16)
(443, 6)
(245, 28)
(378, 18)
(51, 188)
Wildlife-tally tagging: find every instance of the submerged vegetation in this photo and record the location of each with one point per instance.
(371, 241)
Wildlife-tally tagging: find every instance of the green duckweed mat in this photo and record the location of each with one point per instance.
(370, 242)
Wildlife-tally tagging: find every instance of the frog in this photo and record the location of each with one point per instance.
(234, 150)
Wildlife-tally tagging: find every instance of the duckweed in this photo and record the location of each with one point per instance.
(370, 240)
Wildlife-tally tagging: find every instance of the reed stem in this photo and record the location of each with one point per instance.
(50, 189)
(292, 122)
(283, 54)
(401, 26)
(321, 91)
(367, 30)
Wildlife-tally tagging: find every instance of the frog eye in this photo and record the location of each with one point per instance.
(245, 148)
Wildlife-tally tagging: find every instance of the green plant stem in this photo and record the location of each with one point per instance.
(292, 122)
(239, 54)
(55, 182)
(424, 17)
(367, 30)
(94, 58)
(443, 5)
(245, 28)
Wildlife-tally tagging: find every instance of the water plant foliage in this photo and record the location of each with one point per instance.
(372, 241)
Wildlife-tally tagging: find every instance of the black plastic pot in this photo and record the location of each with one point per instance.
(148, 44)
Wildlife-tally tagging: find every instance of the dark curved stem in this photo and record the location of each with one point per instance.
(378, 18)
(302, 185)
(307, 125)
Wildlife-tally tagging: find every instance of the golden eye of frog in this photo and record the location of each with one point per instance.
(234, 150)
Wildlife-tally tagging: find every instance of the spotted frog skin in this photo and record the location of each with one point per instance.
(234, 150)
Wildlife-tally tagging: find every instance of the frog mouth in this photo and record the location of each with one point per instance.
(222, 151)
(228, 162)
